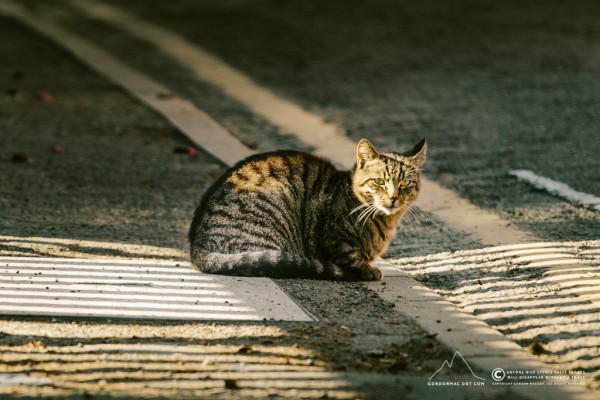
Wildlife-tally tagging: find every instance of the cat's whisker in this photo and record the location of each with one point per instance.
(371, 215)
(418, 215)
(420, 212)
(364, 214)
(414, 215)
(357, 208)
(363, 218)
(373, 210)
(415, 218)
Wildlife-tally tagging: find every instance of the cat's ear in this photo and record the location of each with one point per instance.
(419, 152)
(365, 152)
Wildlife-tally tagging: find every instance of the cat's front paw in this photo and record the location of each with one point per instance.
(371, 274)
(334, 273)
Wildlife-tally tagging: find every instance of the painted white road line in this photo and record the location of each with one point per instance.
(557, 188)
(193, 122)
(289, 117)
(140, 290)
(327, 139)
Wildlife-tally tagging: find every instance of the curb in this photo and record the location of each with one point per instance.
(476, 341)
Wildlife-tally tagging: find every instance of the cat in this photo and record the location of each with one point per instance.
(289, 214)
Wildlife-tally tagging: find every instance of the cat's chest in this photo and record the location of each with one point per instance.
(381, 232)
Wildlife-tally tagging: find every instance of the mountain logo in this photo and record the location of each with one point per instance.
(448, 366)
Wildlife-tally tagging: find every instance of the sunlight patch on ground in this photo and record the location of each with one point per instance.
(544, 294)
(34, 286)
(163, 369)
(76, 248)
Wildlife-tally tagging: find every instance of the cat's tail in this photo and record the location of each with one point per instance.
(267, 263)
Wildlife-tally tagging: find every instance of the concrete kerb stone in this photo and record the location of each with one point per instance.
(484, 347)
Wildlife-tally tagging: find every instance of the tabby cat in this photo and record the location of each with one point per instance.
(289, 214)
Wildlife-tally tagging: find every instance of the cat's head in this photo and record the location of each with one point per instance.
(389, 182)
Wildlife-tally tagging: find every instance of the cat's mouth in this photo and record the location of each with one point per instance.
(390, 210)
(386, 210)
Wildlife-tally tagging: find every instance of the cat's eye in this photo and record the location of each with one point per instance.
(405, 183)
(379, 181)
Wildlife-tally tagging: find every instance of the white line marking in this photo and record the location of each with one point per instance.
(289, 117)
(193, 122)
(557, 188)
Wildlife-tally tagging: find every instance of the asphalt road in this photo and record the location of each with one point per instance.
(492, 86)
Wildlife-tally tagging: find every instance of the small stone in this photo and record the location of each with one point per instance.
(19, 157)
(245, 350)
(399, 364)
(376, 353)
(231, 384)
(36, 344)
(366, 365)
(15, 94)
(185, 150)
(44, 97)
(166, 95)
(536, 349)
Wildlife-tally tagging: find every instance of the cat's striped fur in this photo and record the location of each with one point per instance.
(289, 214)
